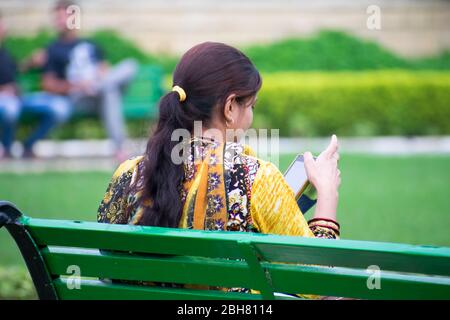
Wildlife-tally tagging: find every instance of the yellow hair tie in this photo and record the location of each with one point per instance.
(181, 92)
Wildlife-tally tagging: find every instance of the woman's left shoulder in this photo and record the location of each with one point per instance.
(128, 166)
(240, 154)
(236, 149)
(247, 150)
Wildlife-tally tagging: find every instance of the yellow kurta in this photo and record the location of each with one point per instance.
(265, 203)
(273, 206)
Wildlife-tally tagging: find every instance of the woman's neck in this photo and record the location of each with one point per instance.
(215, 130)
(214, 134)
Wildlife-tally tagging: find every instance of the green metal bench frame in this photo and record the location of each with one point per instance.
(267, 263)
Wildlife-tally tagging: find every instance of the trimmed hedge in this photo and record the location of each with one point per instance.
(115, 47)
(325, 50)
(334, 50)
(385, 102)
(16, 284)
(320, 103)
(355, 103)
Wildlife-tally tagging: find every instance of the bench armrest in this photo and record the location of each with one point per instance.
(9, 213)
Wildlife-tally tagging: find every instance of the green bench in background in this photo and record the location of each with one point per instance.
(54, 249)
(141, 97)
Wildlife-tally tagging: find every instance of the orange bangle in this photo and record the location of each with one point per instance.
(327, 232)
(325, 224)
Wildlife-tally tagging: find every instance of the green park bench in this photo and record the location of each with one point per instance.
(139, 102)
(268, 263)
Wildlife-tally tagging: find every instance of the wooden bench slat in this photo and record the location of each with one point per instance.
(175, 269)
(284, 278)
(344, 282)
(362, 254)
(134, 238)
(96, 289)
(343, 253)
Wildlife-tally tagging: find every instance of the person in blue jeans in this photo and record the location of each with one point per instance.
(75, 68)
(51, 111)
(9, 114)
(9, 102)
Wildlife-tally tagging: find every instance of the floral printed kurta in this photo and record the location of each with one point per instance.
(227, 189)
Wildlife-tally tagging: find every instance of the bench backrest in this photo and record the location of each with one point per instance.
(54, 249)
(143, 94)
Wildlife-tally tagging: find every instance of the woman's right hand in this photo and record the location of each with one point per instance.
(324, 174)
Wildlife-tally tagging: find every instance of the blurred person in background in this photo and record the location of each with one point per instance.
(49, 112)
(75, 68)
(9, 101)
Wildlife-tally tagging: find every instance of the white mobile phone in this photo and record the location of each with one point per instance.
(296, 176)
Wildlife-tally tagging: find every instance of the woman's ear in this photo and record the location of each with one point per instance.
(230, 108)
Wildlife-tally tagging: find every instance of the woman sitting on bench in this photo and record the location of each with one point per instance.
(220, 184)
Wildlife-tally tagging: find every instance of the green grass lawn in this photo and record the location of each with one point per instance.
(395, 199)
